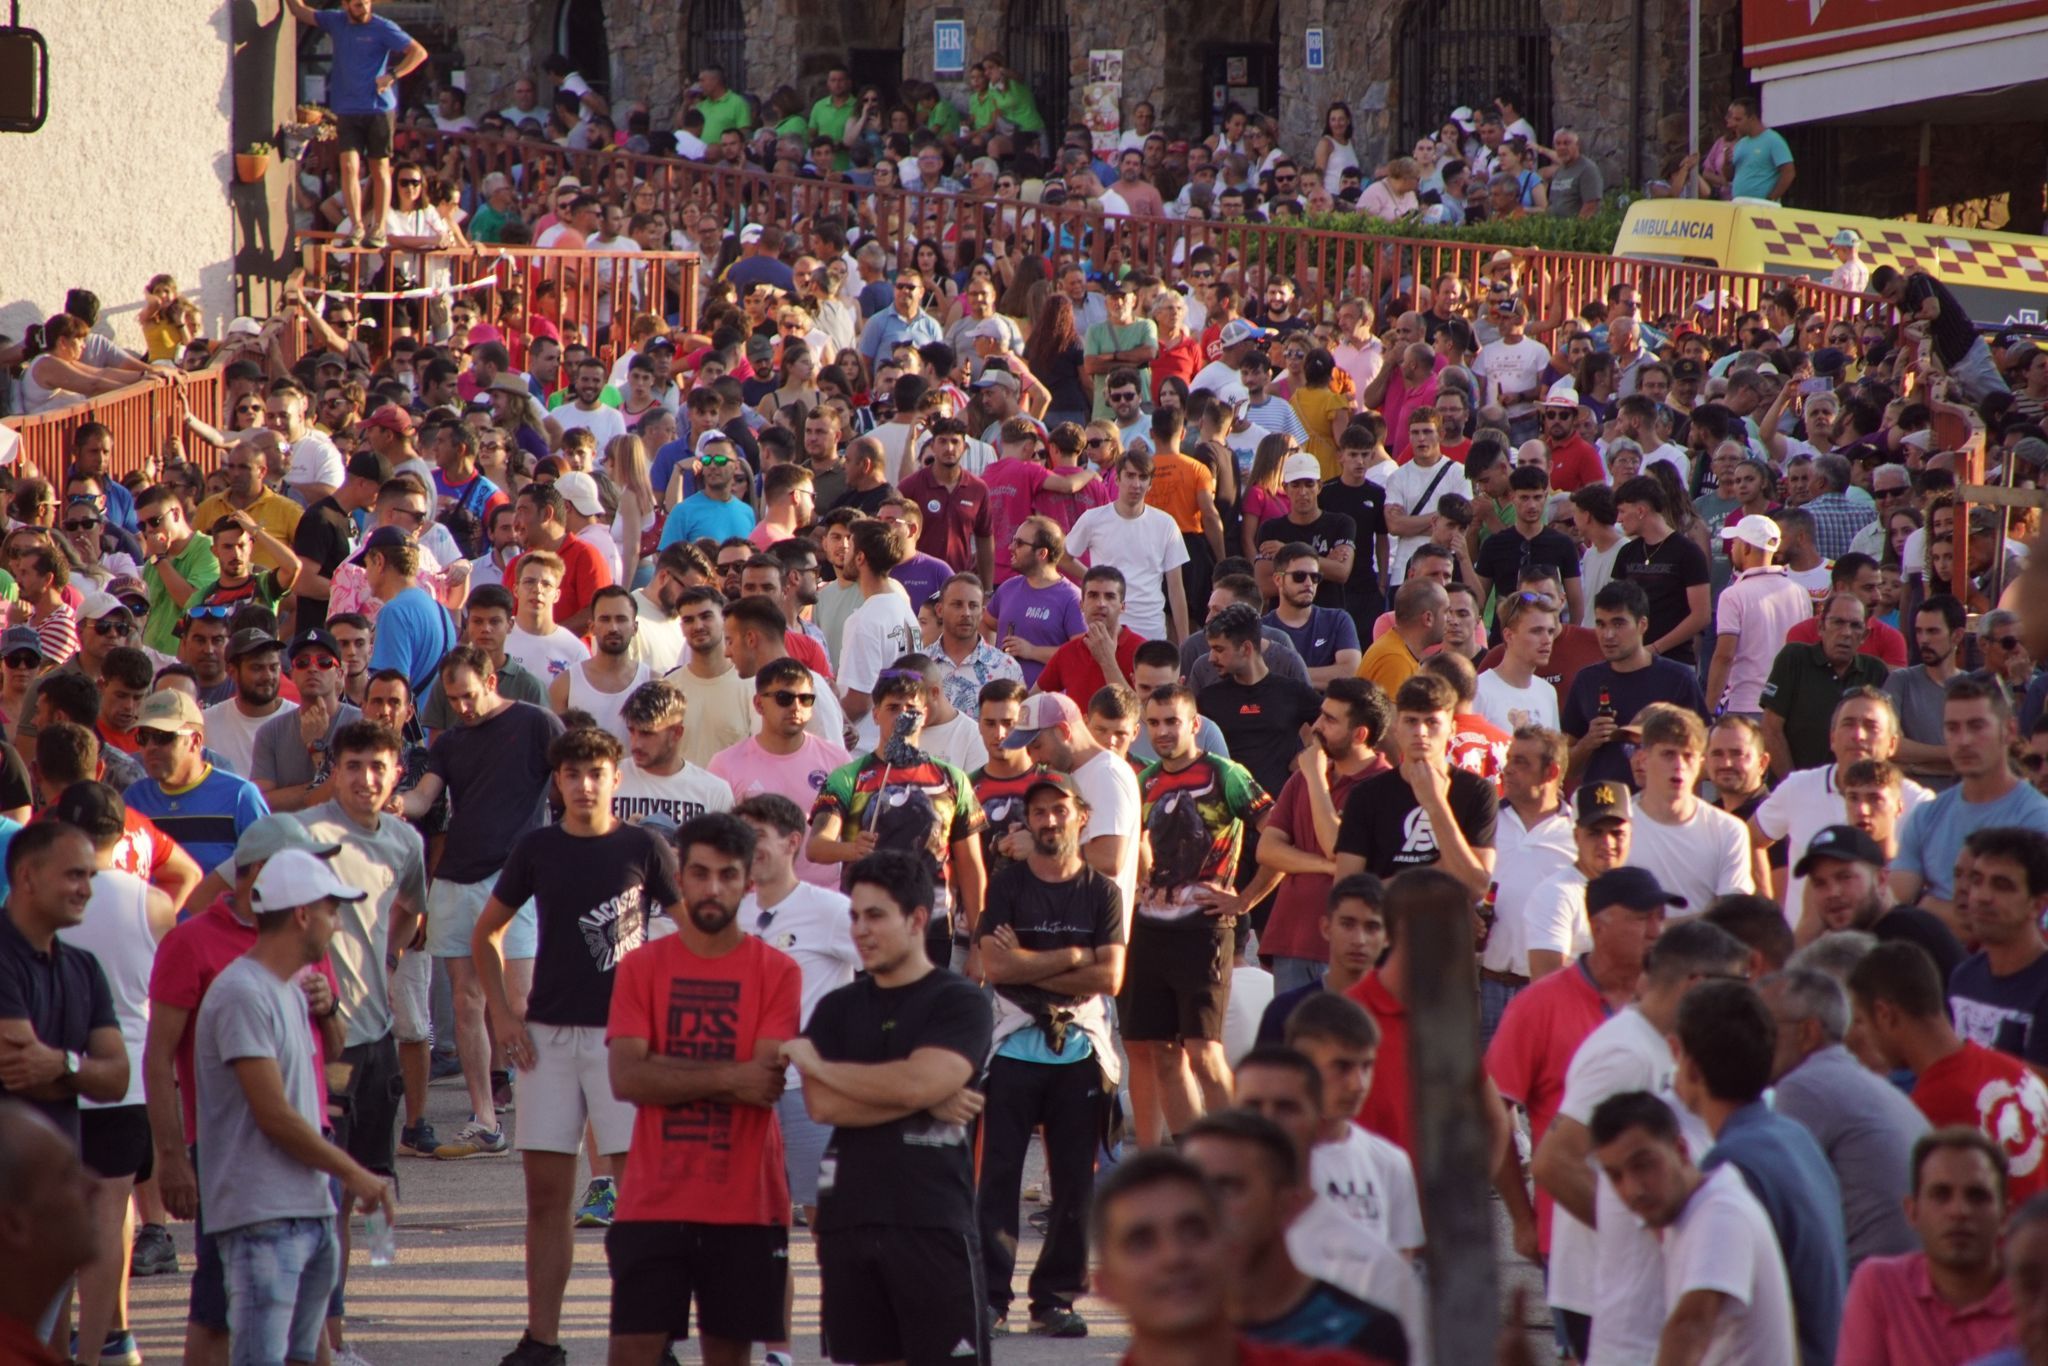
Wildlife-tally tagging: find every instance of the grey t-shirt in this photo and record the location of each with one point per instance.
(244, 1178)
(281, 758)
(1867, 1128)
(1919, 701)
(388, 863)
(1575, 186)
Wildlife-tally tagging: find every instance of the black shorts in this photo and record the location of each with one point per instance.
(366, 1128)
(116, 1142)
(736, 1272)
(913, 1295)
(369, 134)
(1176, 984)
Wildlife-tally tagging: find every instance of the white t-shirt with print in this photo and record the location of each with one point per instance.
(1499, 701)
(880, 631)
(1371, 1179)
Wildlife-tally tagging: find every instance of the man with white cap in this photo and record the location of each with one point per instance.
(584, 508)
(1573, 461)
(263, 1164)
(1236, 340)
(1759, 606)
(1053, 730)
(1853, 274)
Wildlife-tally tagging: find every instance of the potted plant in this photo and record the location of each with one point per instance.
(252, 163)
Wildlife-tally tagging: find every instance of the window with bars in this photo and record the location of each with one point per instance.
(715, 34)
(1468, 52)
(1035, 46)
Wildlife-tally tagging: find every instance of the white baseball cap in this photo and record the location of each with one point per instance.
(297, 877)
(244, 327)
(1301, 465)
(1563, 394)
(1756, 530)
(579, 491)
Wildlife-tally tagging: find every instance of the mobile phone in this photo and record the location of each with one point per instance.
(1814, 386)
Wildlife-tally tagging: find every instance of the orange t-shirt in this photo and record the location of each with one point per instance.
(1177, 480)
(708, 1162)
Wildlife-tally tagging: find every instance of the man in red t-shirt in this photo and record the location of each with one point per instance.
(1573, 461)
(1857, 573)
(541, 521)
(698, 1021)
(1898, 994)
(1084, 664)
(187, 961)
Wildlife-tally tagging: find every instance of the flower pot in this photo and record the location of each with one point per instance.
(251, 167)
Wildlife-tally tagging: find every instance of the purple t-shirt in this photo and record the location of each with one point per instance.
(1040, 616)
(921, 576)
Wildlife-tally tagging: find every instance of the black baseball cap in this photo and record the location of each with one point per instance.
(1604, 801)
(314, 639)
(1685, 367)
(1844, 844)
(250, 641)
(367, 464)
(1636, 889)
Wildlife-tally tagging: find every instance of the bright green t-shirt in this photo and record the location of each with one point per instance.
(983, 108)
(727, 111)
(944, 119)
(828, 120)
(197, 565)
(1102, 339)
(792, 127)
(1017, 105)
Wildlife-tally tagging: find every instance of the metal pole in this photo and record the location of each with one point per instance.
(1692, 63)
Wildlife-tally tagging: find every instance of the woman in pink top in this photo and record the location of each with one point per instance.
(1067, 444)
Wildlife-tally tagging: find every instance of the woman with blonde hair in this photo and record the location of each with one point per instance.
(626, 462)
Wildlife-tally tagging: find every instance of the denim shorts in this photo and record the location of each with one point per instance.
(279, 1273)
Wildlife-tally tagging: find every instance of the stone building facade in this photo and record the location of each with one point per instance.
(1615, 70)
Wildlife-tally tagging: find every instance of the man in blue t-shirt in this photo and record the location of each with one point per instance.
(204, 808)
(1761, 166)
(362, 86)
(1977, 728)
(413, 629)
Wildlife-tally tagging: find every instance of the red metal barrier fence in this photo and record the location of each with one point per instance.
(1325, 264)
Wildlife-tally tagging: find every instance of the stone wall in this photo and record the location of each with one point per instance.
(1358, 46)
(112, 191)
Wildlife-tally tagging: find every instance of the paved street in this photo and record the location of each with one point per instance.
(457, 1295)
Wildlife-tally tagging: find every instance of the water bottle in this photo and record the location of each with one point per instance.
(381, 1237)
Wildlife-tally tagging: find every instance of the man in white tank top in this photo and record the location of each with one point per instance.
(601, 684)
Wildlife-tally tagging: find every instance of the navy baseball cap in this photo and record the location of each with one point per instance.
(1637, 889)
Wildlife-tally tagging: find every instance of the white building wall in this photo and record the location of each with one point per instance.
(129, 176)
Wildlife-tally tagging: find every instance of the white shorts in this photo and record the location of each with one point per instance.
(452, 911)
(570, 1082)
(803, 1145)
(412, 992)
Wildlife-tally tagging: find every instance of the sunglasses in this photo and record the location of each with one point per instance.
(325, 663)
(1095, 441)
(2032, 762)
(23, 660)
(151, 736)
(413, 181)
(1127, 396)
(152, 523)
(1304, 576)
(2006, 642)
(783, 697)
(218, 611)
(112, 628)
(83, 524)
(715, 460)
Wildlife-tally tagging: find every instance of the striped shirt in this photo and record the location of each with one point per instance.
(207, 818)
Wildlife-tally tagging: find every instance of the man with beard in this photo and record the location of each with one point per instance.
(658, 637)
(600, 685)
(718, 696)
(776, 580)
(890, 1061)
(1052, 943)
(1739, 769)
(231, 726)
(492, 764)
(594, 881)
(1918, 692)
(1845, 889)
(1326, 637)
(292, 749)
(656, 783)
(1053, 732)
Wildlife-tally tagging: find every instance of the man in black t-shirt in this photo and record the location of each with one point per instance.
(1674, 572)
(1052, 943)
(1607, 697)
(326, 535)
(1425, 811)
(594, 881)
(1920, 298)
(1529, 540)
(1364, 501)
(890, 1062)
(1333, 536)
(1262, 717)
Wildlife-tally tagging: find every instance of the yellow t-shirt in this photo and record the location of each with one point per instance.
(1389, 662)
(1314, 407)
(273, 512)
(162, 340)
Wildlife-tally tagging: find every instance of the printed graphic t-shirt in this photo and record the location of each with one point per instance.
(592, 896)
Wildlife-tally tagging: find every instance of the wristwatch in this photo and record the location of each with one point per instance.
(73, 1062)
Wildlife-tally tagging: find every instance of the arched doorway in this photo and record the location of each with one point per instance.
(1035, 46)
(1454, 52)
(581, 37)
(715, 34)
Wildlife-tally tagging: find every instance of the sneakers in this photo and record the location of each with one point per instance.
(418, 1140)
(347, 1355)
(374, 238)
(531, 1353)
(600, 1198)
(119, 1349)
(1058, 1323)
(475, 1139)
(155, 1254)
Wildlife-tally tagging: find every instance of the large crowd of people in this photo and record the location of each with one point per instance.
(796, 757)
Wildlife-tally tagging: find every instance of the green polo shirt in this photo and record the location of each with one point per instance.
(1016, 104)
(196, 563)
(828, 120)
(944, 119)
(727, 111)
(1803, 690)
(983, 109)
